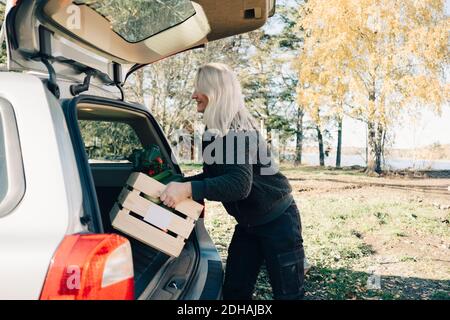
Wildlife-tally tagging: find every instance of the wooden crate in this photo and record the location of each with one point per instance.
(160, 228)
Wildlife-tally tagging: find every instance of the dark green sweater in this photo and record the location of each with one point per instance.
(251, 188)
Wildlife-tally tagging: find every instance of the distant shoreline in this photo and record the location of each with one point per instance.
(391, 162)
(434, 152)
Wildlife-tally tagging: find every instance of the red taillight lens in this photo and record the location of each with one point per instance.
(15, 2)
(91, 266)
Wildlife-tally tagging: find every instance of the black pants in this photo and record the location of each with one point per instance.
(279, 243)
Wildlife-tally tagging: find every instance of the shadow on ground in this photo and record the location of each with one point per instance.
(344, 284)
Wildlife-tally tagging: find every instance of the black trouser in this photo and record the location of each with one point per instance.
(279, 243)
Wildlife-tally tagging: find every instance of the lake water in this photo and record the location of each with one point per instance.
(394, 164)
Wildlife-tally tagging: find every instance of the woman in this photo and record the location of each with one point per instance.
(237, 173)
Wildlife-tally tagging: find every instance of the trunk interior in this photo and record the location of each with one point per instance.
(146, 260)
(109, 135)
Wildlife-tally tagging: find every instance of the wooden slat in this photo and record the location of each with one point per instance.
(114, 211)
(145, 184)
(134, 201)
(154, 188)
(142, 207)
(190, 208)
(148, 234)
(123, 195)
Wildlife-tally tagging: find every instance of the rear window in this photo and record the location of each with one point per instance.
(137, 20)
(3, 173)
(109, 141)
(12, 180)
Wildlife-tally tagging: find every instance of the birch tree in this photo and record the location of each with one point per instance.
(391, 53)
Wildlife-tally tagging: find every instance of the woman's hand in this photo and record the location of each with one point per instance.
(176, 192)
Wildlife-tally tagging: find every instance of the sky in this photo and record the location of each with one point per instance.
(430, 129)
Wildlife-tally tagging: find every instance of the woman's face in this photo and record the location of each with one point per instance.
(202, 101)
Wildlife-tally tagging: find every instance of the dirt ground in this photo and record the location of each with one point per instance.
(401, 220)
(366, 237)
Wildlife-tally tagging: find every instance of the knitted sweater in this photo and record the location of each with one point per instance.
(239, 171)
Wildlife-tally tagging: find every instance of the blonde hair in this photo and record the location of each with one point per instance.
(226, 108)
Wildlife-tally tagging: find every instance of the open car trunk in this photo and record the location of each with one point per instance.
(106, 132)
(109, 39)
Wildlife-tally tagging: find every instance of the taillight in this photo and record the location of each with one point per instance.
(91, 266)
(14, 2)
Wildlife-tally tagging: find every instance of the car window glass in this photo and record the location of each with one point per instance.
(137, 20)
(108, 140)
(3, 175)
(12, 179)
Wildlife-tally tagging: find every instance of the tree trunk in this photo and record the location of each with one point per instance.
(380, 148)
(375, 146)
(375, 137)
(321, 152)
(139, 86)
(282, 151)
(299, 137)
(339, 144)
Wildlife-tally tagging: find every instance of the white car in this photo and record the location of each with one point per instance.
(66, 63)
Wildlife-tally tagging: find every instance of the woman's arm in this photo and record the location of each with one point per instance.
(235, 184)
(179, 191)
(196, 177)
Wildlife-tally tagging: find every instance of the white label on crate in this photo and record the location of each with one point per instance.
(159, 217)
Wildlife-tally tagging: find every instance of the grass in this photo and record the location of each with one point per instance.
(357, 229)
